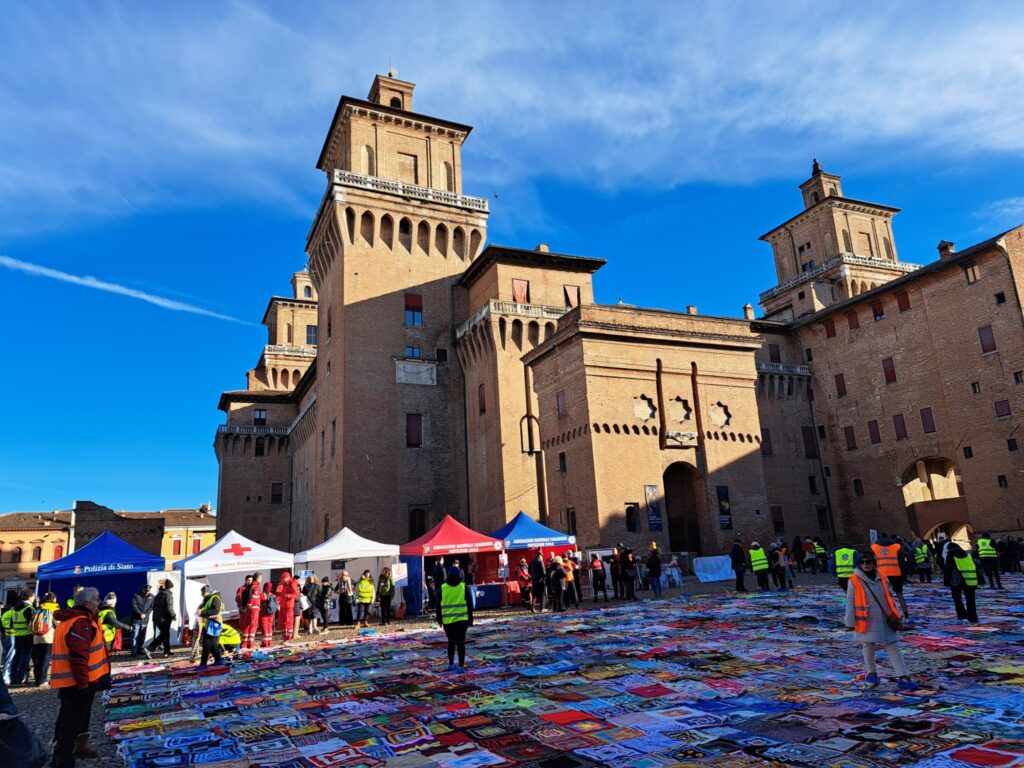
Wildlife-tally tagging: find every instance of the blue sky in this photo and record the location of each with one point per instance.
(168, 155)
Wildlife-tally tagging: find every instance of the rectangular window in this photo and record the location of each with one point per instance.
(1001, 480)
(481, 398)
(828, 472)
(563, 467)
(259, 417)
(840, 385)
(830, 328)
(572, 295)
(1018, 377)
(778, 524)
(821, 432)
(812, 484)
(900, 425)
(414, 352)
(858, 487)
(808, 355)
(874, 435)
(1000, 298)
(260, 447)
(853, 320)
(766, 441)
(413, 430)
(334, 436)
(851, 438)
(197, 546)
(570, 520)
(877, 310)
(414, 310)
(822, 518)
(633, 517)
(988, 339)
(902, 300)
(560, 403)
(176, 547)
(521, 291)
(311, 335)
(276, 493)
(975, 387)
(323, 446)
(1002, 408)
(889, 369)
(441, 355)
(971, 272)
(774, 355)
(968, 452)
(927, 421)
(810, 442)
(1011, 445)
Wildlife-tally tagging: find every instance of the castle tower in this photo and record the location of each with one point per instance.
(392, 235)
(837, 247)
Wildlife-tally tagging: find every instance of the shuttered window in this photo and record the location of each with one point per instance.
(900, 425)
(810, 442)
(851, 438)
(413, 430)
(902, 300)
(889, 369)
(830, 328)
(988, 339)
(927, 421)
(840, 385)
(873, 432)
(853, 320)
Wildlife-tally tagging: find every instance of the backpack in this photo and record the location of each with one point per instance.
(270, 605)
(42, 622)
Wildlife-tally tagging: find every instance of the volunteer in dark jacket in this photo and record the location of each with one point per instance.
(960, 574)
(142, 609)
(455, 614)
(211, 611)
(163, 616)
(537, 577)
(739, 564)
(80, 668)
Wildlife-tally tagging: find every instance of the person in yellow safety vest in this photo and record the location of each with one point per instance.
(821, 554)
(961, 576)
(18, 627)
(887, 555)
(759, 565)
(108, 620)
(230, 640)
(844, 561)
(989, 560)
(365, 592)
(71, 600)
(869, 601)
(80, 667)
(212, 623)
(455, 615)
(923, 560)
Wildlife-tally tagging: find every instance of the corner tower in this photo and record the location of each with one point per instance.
(837, 247)
(390, 238)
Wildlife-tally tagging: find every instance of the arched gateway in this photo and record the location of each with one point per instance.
(682, 483)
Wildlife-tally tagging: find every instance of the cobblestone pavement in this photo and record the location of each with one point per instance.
(39, 705)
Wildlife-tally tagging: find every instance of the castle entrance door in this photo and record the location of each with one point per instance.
(680, 483)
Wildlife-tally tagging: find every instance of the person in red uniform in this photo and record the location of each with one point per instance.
(252, 610)
(267, 614)
(80, 668)
(287, 594)
(240, 596)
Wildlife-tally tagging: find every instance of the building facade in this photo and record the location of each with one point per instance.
(446, 376)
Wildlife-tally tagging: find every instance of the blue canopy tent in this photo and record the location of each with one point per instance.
(108, 563)
(523, 532)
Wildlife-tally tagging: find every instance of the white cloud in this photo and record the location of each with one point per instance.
(87, 281)
(1008, 212)
(225, 101)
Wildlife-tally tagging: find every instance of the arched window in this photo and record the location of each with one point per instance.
(58, 551)
(449, 177)
(396, 102)
(16, 555)
(307, 292)
(37, 554)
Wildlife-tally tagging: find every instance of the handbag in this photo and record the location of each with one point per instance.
(213, 627)
(895, 622)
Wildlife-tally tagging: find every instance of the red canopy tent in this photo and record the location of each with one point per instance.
(450, 537)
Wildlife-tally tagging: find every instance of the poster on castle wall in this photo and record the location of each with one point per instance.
(409, 372)
(653, 496)
(724, 508)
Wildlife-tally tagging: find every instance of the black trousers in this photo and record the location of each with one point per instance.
(345, 611)
(991, 566)
(843, 582)
(924, 572)
(762, 579)
(41, 662)
(385, 610)
(961, 592)
(163, 636)
(741, 585)
(600, 585)
(210, 646)
(72, 721)
(538, 594)
(456, 632)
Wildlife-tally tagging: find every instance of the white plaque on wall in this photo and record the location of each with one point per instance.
(416, 372)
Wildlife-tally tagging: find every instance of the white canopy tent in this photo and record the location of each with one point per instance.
(222, 565)
(347, 550)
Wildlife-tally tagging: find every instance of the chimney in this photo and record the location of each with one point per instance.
(691, 309)
(542, 247)
(748, 311)
(946, 249)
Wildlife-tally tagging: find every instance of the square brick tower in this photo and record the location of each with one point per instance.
(389, 241)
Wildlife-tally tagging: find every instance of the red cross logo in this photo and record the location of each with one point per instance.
(237, 549)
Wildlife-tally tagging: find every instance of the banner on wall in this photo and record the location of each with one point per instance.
(652, 495)
(724, 508)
